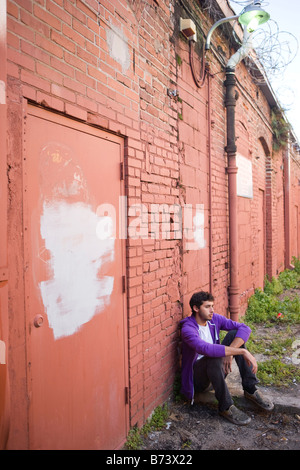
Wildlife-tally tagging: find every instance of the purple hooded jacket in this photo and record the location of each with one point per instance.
(192, 345)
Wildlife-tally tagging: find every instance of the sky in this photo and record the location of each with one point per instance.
(286, 85)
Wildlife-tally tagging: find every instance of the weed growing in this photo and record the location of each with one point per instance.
(270, 305)
(155, 423)
(275, 372)
(273, 307)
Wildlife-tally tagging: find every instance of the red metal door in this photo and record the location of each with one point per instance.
(75, 304)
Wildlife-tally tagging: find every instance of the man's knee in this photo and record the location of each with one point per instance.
(229, 338)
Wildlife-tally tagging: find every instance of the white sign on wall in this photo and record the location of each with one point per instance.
(244, 177)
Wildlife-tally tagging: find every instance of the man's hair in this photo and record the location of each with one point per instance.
(198, 298)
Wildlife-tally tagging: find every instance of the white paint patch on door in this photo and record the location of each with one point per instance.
(77, 290)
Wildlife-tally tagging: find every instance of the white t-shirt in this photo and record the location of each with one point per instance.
(205, 335)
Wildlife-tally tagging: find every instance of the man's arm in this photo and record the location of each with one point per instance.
(237, 351)
(237, 342)
(243, 331)
(227, 361)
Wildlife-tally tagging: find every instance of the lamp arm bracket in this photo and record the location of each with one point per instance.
(218, 23)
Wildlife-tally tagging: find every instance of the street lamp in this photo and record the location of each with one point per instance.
(251, 17)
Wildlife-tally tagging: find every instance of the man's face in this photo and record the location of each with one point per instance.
(204, 312)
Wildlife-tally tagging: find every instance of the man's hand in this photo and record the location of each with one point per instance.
(227, 361)
(233, 351)
(251, 361)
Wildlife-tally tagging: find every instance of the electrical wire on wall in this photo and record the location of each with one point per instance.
(199, 81)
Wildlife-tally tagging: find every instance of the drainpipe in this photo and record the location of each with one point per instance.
(231, 97)
(230, 103)
(287, 238)
(210, 180)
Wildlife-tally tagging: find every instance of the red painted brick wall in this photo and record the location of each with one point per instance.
(111, 64)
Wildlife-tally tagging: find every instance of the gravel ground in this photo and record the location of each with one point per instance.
(199, 427)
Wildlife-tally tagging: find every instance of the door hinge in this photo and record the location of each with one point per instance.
(126, 395)
(123, 284)
(122, 171)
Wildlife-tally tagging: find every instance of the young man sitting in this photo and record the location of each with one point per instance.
(205, 361)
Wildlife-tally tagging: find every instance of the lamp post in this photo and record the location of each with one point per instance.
(251, 17)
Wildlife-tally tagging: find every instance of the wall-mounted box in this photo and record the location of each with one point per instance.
(188, 29)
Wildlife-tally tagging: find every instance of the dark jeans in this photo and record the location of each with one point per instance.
(209, 370)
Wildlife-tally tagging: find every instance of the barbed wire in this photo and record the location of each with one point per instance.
(249, 2)
(273, 49)
(286, 96)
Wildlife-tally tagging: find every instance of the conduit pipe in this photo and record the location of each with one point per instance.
(231, 97)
